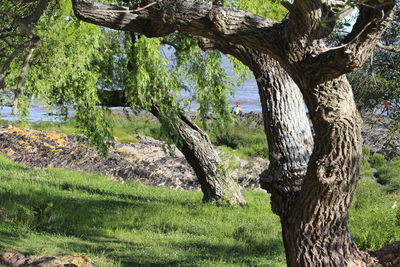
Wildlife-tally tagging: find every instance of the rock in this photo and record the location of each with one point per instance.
(16, 259)
(148, 161)
(376, 135)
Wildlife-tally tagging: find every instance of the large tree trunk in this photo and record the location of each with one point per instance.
(216, 183)
(290, 144)
(286, 124)
(315, 229)
(312, 196)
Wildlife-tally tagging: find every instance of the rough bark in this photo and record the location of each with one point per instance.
(290, 144)
(216, 183)
(291, 42)
(315, 231)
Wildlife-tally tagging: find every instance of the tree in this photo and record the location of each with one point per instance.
(315, 207)
(149, 85)
(66, 70)
(376, 83)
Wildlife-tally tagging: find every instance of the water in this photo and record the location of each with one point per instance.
(246, 95)
(37, 113)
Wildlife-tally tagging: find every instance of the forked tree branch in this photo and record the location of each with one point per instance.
(356, 47)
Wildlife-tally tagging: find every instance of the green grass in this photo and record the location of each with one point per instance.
(52, 211)
(374, 217)
(49, 211)
(240, 139)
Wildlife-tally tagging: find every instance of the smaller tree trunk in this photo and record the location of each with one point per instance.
(216, 183)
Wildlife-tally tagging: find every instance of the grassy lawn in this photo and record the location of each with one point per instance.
(51, 211)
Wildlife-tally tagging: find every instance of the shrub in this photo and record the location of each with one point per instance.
(377, 161)
(366, 152)
(389, 176)
(373, 221)
(365, 168)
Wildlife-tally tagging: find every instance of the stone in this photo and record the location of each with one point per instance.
(148, 161)
(16, 259)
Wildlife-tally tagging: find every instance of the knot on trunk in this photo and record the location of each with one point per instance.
(283, 190)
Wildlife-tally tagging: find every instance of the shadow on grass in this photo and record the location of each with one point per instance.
(192, 253)
(100, 192)
(87, 219)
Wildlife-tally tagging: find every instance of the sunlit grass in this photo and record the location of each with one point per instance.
(51, 211)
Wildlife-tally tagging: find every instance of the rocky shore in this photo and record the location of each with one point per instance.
(148, 161)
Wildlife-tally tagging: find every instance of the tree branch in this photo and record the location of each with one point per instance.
(388, 48)
(10, 58)
(356, 46)
(190, 17)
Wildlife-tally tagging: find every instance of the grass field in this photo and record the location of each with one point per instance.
(51, 211)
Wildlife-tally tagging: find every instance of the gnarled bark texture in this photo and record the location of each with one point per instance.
(290, 144)
(216, 183)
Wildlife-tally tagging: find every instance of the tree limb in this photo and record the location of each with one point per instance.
(10, 58)
(388, 48)
(356, 46)
(190, 17)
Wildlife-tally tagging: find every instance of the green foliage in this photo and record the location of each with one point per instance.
(52, 210)
(377, 160)
(64, 74)
(241, 139)
(365, 168)
(389, 176)
(127, 125)
(372, 219)
(270, 9)
(388, 173)
(366, 152)
(378, 80)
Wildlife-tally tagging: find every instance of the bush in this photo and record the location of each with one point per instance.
(246, 139)
(389, 176)
(377, 161)
(366, 152)
(365, 168)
